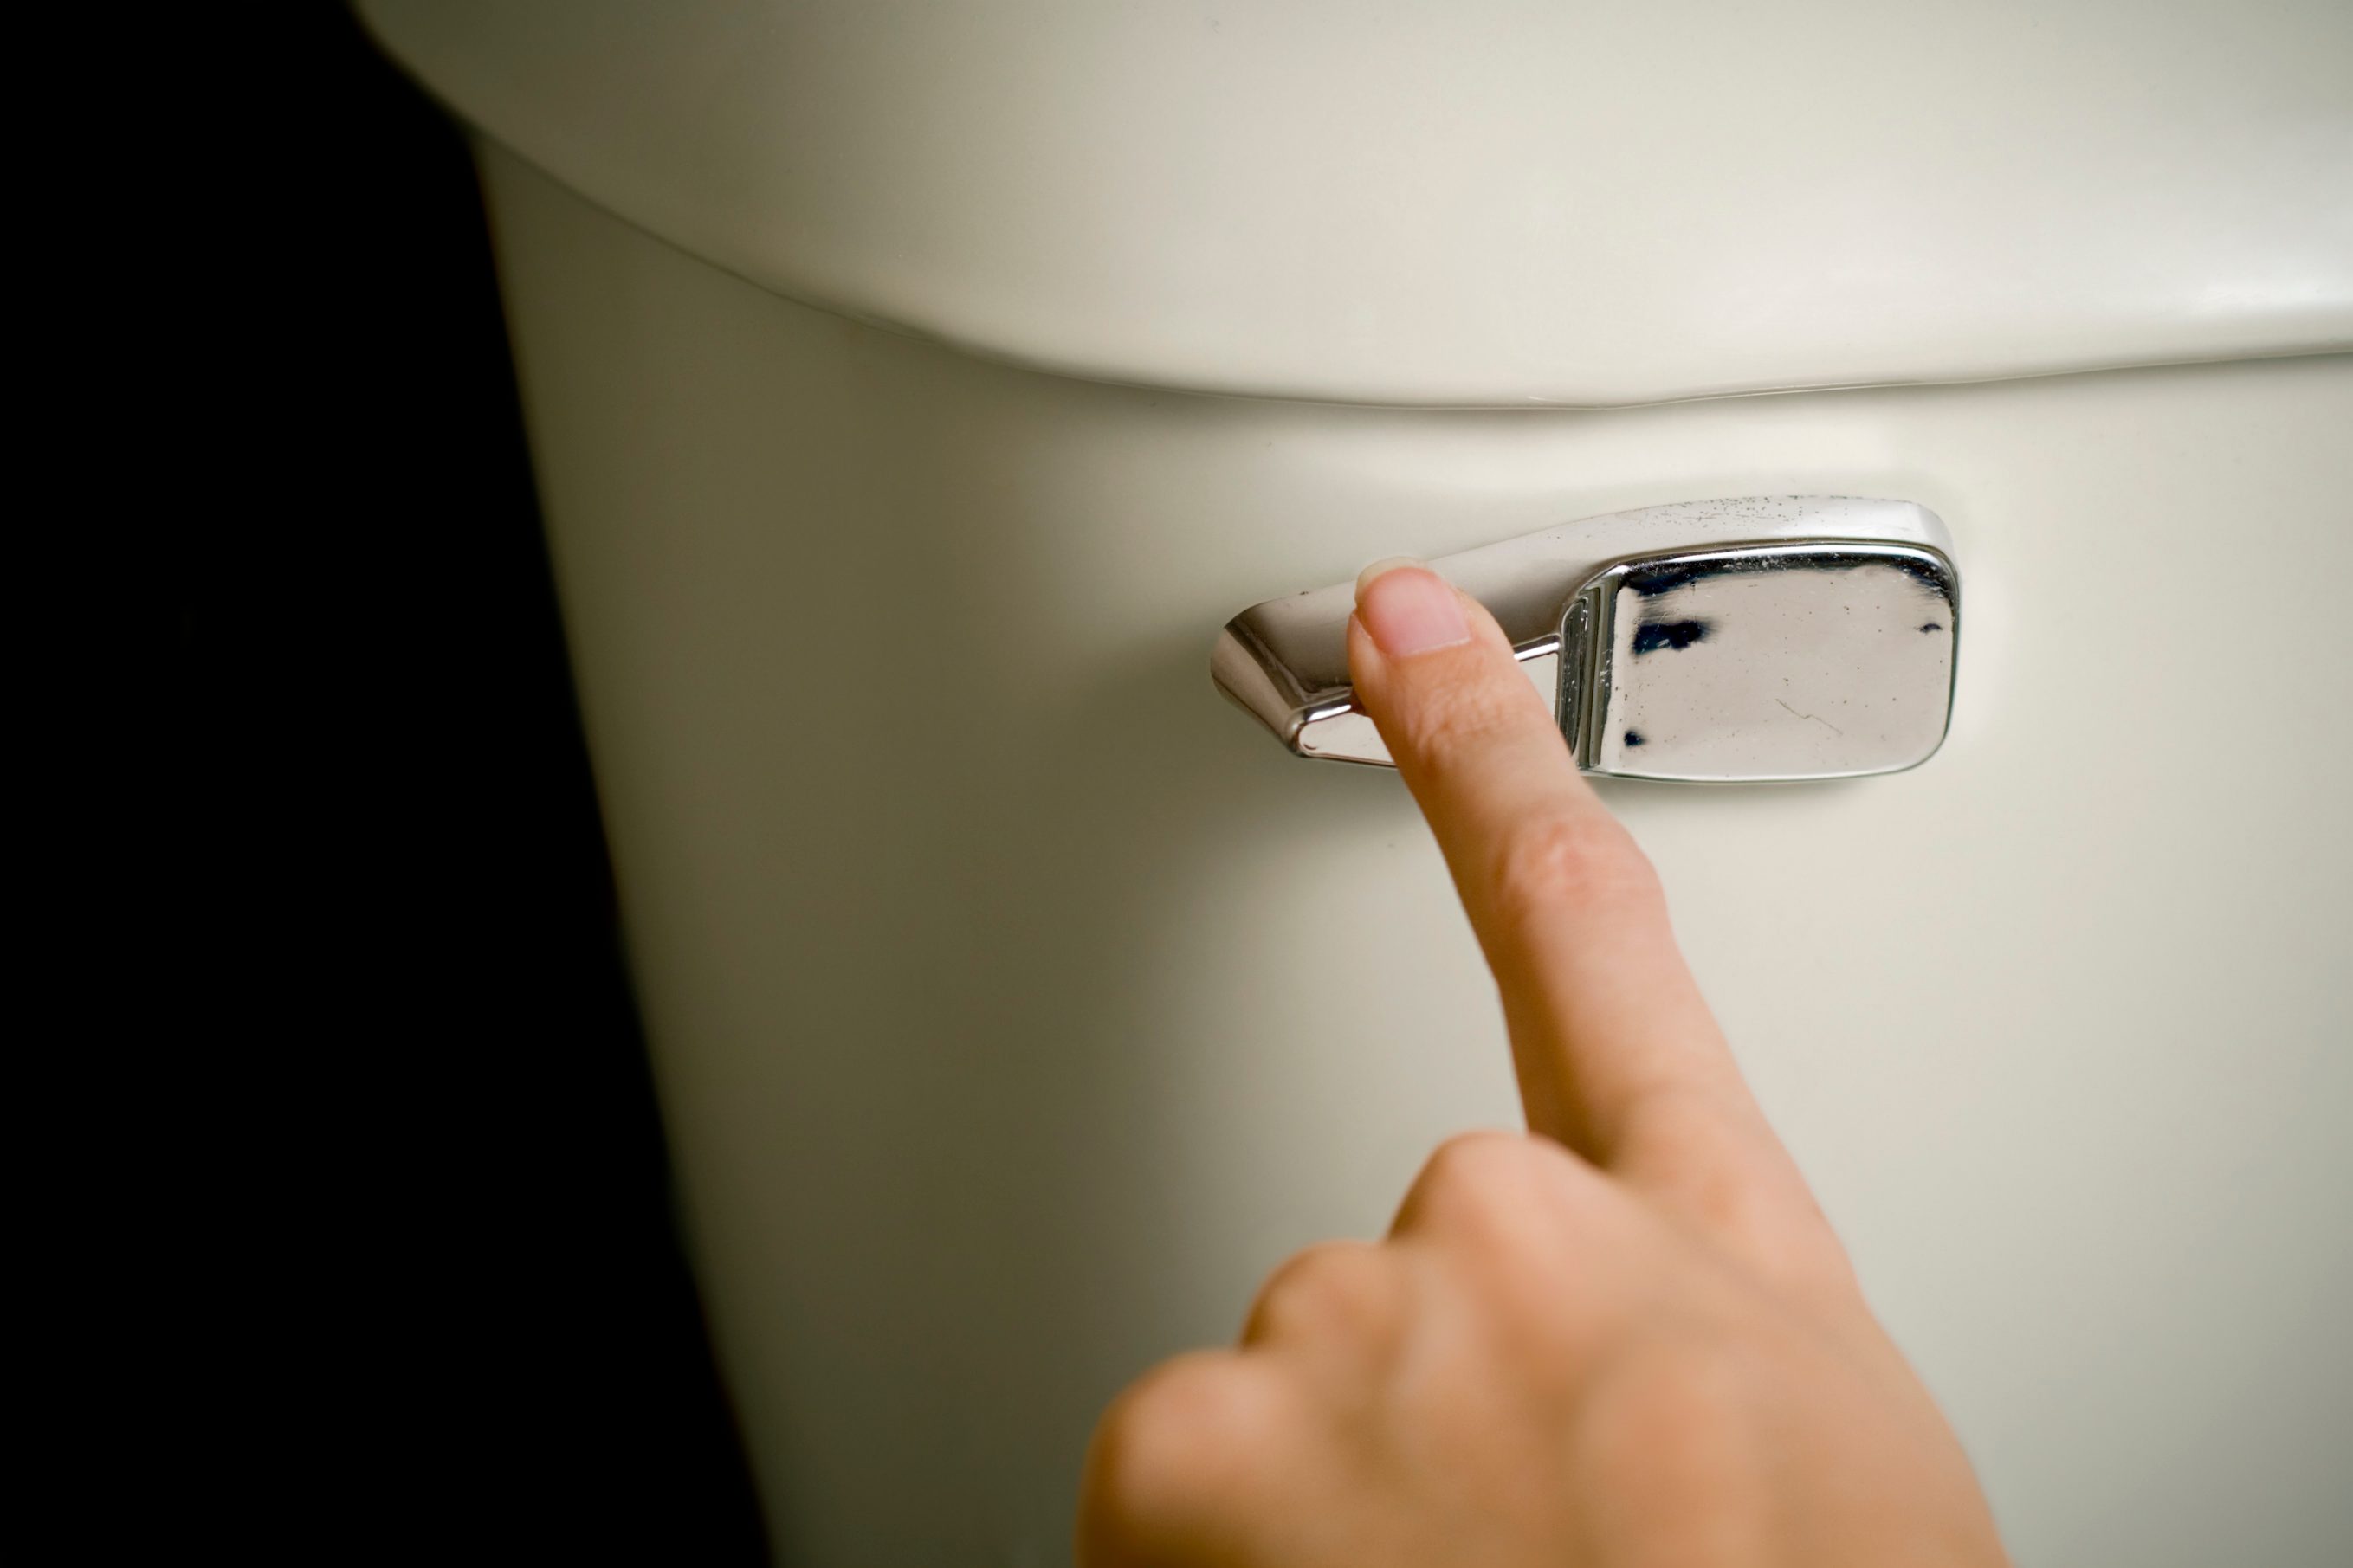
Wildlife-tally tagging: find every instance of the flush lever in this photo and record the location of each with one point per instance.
(1725, 641)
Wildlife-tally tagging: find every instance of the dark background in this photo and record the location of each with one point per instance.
(450, 1229)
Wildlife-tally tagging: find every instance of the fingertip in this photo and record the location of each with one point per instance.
(1408, 609)
(1386, 563)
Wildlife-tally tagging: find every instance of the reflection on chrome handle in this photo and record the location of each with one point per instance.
(1765, 637)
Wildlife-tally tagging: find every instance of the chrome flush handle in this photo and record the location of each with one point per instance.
(1720, 641)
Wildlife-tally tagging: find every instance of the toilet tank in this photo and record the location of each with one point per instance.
(916, 391)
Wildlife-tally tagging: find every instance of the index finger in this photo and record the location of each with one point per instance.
(1606, 1022)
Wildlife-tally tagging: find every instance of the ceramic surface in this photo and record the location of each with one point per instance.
(1016, 1004)
(1467, 200)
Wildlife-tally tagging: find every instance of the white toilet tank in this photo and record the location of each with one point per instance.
(916, 391)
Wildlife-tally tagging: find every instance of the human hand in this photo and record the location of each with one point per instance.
(1626, 1338)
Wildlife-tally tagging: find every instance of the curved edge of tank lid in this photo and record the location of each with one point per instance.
(1402, 396)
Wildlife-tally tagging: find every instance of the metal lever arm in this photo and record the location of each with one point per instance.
(1764, 637)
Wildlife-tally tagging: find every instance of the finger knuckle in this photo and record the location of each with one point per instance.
(1568, 857)
(1338, 1289)
(1480, 1181)
(1154, 1470)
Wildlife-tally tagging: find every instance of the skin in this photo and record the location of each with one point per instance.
(1627, 1338)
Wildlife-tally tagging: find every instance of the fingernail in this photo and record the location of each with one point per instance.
(1409, 608)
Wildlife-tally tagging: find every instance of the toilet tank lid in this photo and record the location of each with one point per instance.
(1471, 202)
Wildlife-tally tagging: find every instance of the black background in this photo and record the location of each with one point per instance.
(446, 1262)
